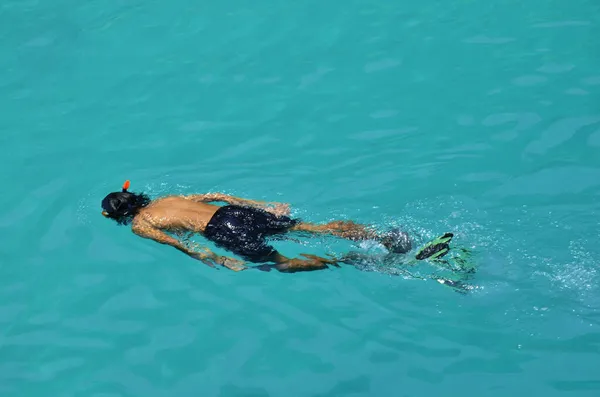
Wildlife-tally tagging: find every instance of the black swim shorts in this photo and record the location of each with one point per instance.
(244, 231)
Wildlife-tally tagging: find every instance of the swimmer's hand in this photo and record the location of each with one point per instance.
(202, 257)
(212, 259)
(278, 209)
(231, 263)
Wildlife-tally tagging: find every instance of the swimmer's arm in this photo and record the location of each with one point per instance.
(276, 208)
(225, 198)
(145, 230)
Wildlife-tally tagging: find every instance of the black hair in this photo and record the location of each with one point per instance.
(123, 206)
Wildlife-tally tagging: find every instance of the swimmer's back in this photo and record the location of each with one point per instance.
(177, 213)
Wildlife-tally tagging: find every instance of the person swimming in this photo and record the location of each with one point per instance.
(241, 227)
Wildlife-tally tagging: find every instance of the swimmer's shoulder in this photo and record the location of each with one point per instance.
(151, 212)
(157, 208)
(160, 201)
(144, 216)
(150, 217)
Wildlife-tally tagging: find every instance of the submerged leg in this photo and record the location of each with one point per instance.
(293, 265)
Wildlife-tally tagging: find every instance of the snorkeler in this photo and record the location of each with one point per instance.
(242, 227)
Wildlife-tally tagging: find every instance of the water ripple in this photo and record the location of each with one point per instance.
(472, 117)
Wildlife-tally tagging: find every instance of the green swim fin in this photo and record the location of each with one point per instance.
(436, 248)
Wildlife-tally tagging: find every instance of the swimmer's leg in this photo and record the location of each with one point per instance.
(344, 229)
(395, 240)
(293, 265)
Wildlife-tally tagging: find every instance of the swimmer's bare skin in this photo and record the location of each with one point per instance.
(193, 213)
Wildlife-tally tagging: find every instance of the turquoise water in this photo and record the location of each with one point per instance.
(481, 118)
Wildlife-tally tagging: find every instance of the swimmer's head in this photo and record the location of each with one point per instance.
(123, 206)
